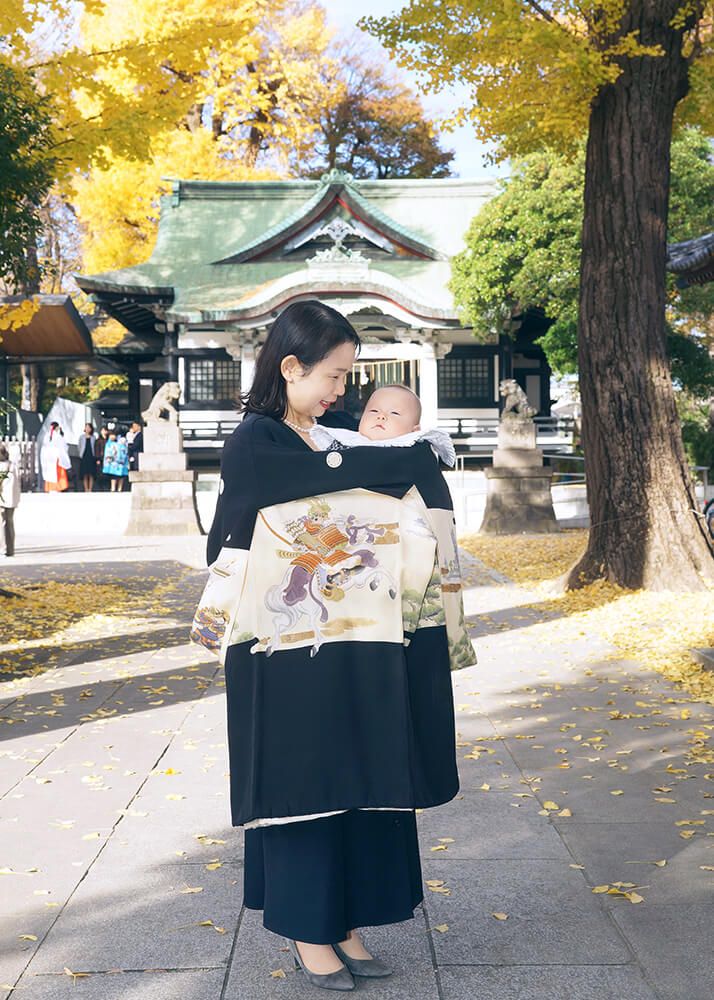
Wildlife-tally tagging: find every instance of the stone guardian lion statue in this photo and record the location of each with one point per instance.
(516, 405)
(162, 406)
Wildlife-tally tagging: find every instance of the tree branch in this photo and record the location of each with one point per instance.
(541, 10)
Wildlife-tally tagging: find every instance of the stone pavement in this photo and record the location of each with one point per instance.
(120, 876)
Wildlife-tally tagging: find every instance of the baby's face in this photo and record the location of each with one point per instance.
(389, 413)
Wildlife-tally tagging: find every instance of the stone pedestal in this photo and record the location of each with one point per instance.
(163, 490)
(519, 497)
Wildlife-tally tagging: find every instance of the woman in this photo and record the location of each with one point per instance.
(99, 446)
(87, 457)
(116, 461)
(340, 719)
(55, 460)
(10, 490)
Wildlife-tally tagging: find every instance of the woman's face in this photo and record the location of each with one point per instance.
(88, 429)
(311, 393)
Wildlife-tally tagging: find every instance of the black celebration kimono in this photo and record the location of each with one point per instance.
(334, 597)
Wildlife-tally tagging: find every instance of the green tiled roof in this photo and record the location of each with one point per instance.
(204, 222)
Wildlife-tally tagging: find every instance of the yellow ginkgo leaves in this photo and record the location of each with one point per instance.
(654, 629)
(75, 975)
(438, 886)
(624, 889)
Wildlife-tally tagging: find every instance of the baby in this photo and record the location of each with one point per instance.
(391, 417)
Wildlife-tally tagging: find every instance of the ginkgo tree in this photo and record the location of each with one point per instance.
(548, 72)
(109, 96)
(253, 109)
(299, 102)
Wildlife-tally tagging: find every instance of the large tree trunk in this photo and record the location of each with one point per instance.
(644, 528)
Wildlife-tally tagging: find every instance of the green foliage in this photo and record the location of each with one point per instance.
(86, 389)
(692, 365)
(80, 389)
(25, 172)
(523, 250)
(697, 430)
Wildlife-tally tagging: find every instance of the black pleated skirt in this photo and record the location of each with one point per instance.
(315, 880)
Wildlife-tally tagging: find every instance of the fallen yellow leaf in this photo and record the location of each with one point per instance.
(75, 975)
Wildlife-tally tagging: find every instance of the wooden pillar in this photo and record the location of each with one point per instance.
(132, 371)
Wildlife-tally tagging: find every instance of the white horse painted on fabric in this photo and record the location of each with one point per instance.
(304, 591)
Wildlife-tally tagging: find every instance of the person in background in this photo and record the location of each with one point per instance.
(9, 499)
(87, 457)
(135, 441)
(99, 446)
(116, 460)
(55, 460)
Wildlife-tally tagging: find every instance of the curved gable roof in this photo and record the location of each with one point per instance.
(336, 189)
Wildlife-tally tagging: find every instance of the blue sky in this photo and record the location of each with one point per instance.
(468, 162)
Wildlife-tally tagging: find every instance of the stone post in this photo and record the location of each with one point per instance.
(519, 498)
(163, 490)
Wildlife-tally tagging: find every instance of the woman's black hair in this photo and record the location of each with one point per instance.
(309, 330)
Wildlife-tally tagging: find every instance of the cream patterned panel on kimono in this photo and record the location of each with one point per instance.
(335, 568)
(214, 617)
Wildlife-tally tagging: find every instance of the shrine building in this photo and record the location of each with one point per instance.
(230, 256)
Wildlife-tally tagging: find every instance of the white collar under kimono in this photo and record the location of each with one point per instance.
(440, 441)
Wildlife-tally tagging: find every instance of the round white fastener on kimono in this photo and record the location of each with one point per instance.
(334, 459)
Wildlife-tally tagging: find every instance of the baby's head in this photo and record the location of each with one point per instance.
(390, 411)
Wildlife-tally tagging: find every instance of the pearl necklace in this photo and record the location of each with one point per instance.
(298, 428)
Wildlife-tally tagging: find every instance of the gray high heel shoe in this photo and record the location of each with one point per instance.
(372, 967)
(340, 980)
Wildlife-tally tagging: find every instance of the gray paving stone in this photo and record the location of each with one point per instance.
(532, 680)
(140, 919)
(553, 918)
(404, 946)
(674, 946)
(594, 802)
(488, 825)
(497, 769)
(607, 848)
(168, 835)
(543, 982)
(202, 984)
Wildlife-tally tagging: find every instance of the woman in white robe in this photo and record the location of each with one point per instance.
(55, 460)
